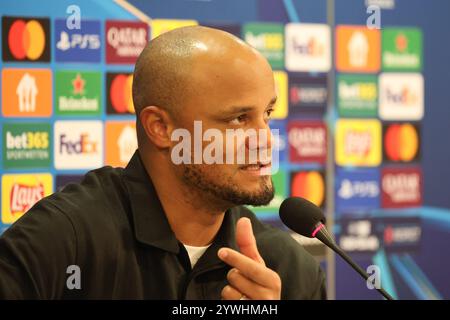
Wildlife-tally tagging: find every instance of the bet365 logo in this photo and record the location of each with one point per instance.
(26, 145)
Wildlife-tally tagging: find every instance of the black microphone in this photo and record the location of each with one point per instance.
(305, 218)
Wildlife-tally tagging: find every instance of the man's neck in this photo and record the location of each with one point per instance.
(193, 221)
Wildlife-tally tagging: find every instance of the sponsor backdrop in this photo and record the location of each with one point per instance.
(350, 112)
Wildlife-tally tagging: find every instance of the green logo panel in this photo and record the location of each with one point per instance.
(78, 93)
(402, 49)
(267, 38)
(26, 145)
(357, 95)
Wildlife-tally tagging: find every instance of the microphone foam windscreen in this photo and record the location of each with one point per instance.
(301, 215)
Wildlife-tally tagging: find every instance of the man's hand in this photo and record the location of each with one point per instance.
(249, 278)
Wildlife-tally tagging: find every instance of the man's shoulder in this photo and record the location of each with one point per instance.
(98, 190)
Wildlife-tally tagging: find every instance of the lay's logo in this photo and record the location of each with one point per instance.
(401, 96)
(358, 143)
(20, 192)
(26, 39)
(24, 196)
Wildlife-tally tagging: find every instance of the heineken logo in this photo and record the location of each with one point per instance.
(78, 93)
(402, 49)
(78, 84)
(401, 43)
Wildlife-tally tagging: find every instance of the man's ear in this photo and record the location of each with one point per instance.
(157, 125)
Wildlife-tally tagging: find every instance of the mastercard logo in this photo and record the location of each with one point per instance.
(26, 39)
(309, 185)
(401, 142)
(120, 93)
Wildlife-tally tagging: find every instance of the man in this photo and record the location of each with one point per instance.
(160, 229)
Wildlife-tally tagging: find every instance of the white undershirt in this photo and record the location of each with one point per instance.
(195, 253)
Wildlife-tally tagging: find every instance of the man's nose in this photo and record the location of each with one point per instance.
(260, 138)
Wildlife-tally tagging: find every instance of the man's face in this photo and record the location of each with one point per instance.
(234, 93)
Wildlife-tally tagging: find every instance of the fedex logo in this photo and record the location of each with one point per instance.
(311, 47)
(401, 96)
(78, 144)
(308, 47)
(404, 96)
(82, 145)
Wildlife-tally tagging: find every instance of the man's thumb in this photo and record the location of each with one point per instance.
(246, 240)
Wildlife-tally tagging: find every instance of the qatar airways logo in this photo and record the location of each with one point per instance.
(402, 187)
(307, 141)
(250, 147)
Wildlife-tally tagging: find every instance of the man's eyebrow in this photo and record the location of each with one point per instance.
(272, 102)
(243, 109)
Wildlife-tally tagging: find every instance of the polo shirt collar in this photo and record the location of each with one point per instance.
(151, 226)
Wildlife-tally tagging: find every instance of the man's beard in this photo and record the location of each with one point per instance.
(223, 188)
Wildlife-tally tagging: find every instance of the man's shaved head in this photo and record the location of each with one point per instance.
(203, 75)
(164, 72)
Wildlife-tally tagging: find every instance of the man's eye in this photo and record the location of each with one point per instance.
(269, 113)
(239, 120)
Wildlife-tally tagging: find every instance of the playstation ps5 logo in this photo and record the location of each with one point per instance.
(77, 45)
(82, 41)
(350, 189)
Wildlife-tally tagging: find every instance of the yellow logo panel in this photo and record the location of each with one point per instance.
(281, 106)
(159, 26)
(358, 143)
(21, 191)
